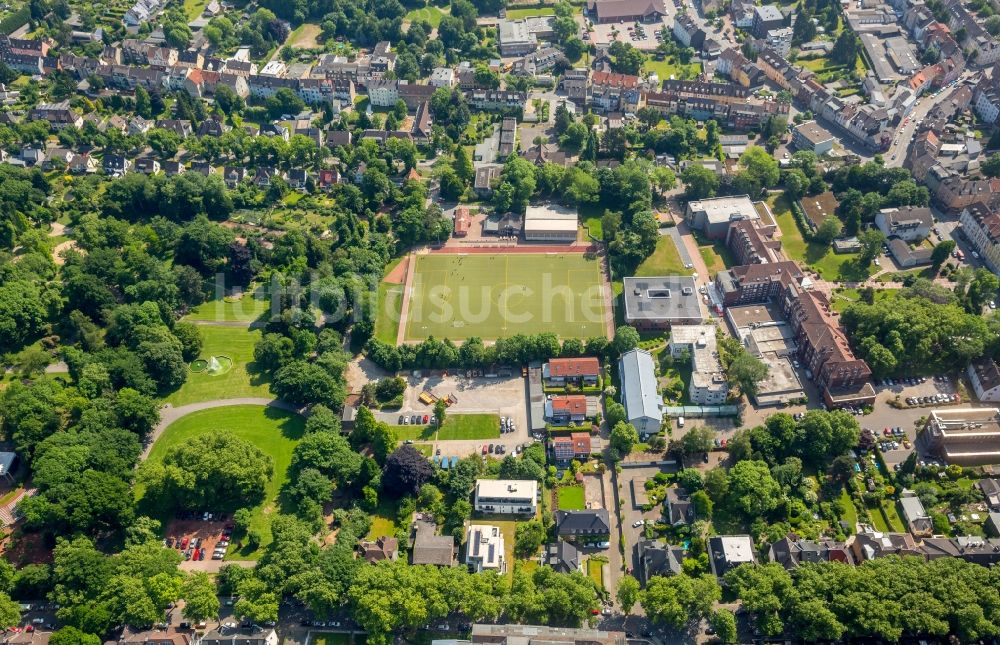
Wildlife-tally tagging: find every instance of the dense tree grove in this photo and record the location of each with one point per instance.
(914, 335)
(888, 598)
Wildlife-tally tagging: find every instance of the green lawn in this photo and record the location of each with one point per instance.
(237, 343)
(469, 426)
(671, 67)
(819, 257)
(193, 8)
(716, 255)
(429, 14)
(390, 304)
(594, 227)
(492, 296)
(276, 432)
(665, 260)
(246, 309)
(456, 426)
(513, 14)
(850, 513)
(383, 520)
(331, 638)
(595, 570)
(571, 498)
(844, 298)
(895, 521)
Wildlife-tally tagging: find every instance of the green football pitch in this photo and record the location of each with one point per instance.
(495, 296)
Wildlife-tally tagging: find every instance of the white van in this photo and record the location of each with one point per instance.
(680, 422)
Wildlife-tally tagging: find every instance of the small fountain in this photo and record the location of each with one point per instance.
(213, 365)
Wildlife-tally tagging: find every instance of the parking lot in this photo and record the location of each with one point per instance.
(199, 539)
(641, 35)
(505, 396)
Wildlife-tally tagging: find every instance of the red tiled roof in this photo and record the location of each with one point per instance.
(574, 404)
(614, 80)
(574, 367)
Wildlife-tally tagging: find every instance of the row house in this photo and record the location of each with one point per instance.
(24, 63)
(986, 98)
(954, 192)
(538, 62)
(734, 65)
(611, 92)
(981, 226)
(191, 58)
(496, 100)
(576, 84)
(25, 46)
(80, 66)
(129, 78)
(141, 12)
(180, 127)
(325, 90)
(238, 67)
(264, 87)
(752, 242)
(59, 115)
(985, 46)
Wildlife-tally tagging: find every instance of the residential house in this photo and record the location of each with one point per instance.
(981, 226)
(83, 164)
(577, 445)
(909, 223)
(687, 31)
(147, 165)
(265, 175)
(984, 374)
(726, 552)
(116, 165)
(678, 509)
(792, 551)
(224, 635)
(658, 559)
(233, 175)
(383, 548)
(59, 115)
(430, 548)
(563, 557)
(563, 410)
(584, 371)
(583, 526)
(990, 488)
(180, 127)
(298, 178)
(211, 128)
(971, 548)
(171, 168)
(917, 519)
(327, 178)
(336, 138)
(484, 548)
(506, 497)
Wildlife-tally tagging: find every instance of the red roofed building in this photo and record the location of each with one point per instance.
(578, 371)
(574, 446)
(562, 410)
(462, 221)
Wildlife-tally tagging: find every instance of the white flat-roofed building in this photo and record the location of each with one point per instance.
(726, 552)
(484, 548)
(506, 496)
(966, 437)
(713, 216)
(550, 223)
(708, 383)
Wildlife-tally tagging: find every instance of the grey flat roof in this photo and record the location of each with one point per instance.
(667, 298)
